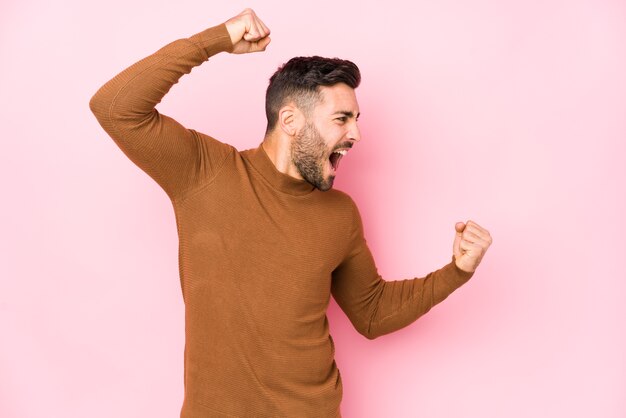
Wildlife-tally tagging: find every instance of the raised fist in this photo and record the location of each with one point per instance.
(470, 245)
(247, 32)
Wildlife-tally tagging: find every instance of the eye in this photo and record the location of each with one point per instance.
(342, 119)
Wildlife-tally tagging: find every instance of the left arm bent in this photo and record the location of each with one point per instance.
(377, 307)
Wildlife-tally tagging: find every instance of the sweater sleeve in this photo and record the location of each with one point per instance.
(377, 307)
(178, 159)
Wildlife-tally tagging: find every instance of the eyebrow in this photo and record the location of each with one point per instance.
(347, 113)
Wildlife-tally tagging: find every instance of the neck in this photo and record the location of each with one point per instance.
(277, 146)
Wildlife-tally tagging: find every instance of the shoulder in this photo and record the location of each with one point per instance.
(210, 142)
(342, 203)
(338, 197)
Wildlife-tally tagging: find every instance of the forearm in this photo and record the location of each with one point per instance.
(377, 307)
(131, 96)
(178, 159)
(396, 304)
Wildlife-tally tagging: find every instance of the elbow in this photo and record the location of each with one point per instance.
(109, 110)
(98, 106)
(368, 331)
(370, 336)
(103, 105)
(93, 103)
(375, 329)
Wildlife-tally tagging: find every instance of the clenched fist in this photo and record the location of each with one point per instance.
(247, 32)
(470, 245)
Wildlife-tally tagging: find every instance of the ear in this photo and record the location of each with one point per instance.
(290, 119)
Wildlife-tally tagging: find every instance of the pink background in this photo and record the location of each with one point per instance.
(510, 113)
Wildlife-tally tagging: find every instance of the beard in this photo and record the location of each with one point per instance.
(309, 154)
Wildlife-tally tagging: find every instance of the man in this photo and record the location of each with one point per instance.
(264, 240)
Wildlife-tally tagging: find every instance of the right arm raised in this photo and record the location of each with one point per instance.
(178, 159)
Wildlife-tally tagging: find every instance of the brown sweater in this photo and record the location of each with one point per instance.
(260, 254)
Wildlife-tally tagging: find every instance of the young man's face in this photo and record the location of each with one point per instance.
(329, 132)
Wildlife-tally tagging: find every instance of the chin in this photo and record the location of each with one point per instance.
(326, 185)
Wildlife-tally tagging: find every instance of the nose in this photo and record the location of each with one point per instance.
(354, 133)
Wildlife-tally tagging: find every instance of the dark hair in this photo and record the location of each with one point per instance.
(299, 79)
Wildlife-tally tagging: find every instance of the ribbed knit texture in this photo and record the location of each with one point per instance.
(260, 253)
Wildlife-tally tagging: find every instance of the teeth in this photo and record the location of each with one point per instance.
(342, 152)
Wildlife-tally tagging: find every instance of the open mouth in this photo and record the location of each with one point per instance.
(336, 157)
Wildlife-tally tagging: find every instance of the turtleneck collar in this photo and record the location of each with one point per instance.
(281, 181)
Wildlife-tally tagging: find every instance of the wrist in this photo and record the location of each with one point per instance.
(464, 267)
(235, 31)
